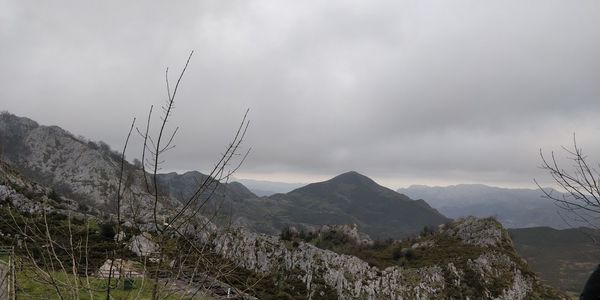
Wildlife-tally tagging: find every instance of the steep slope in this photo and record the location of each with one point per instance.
(514, 208)
(27, 196)
(563, 258)
(55, 158)
(349, 198)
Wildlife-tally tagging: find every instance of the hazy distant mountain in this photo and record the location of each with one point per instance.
(514, 208)
(346, 199)
(268, 188)
(564, 258)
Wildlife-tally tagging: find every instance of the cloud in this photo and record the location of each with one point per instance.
(404, 91)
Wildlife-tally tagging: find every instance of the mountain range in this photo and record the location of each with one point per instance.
(514, 208)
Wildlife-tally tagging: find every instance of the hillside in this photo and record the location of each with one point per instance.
(514, 208)
(563, 258)
(349, 198)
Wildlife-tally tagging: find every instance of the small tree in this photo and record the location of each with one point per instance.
(578, 191)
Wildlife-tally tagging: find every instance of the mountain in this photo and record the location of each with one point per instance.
(563, 258)
(88, 171)
(514, 208)
(82, 170)
(350, 198)
(268, 188)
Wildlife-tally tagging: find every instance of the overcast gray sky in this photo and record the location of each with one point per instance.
(407, 92)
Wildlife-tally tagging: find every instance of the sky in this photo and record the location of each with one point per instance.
(406, 92)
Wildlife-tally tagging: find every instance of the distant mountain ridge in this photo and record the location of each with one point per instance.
(267, 188)
(514, 208)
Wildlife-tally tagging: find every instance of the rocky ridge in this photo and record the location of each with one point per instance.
(496, 272)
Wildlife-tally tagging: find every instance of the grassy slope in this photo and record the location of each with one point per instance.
(30, 288)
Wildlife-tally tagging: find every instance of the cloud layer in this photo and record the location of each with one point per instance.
(404, 91)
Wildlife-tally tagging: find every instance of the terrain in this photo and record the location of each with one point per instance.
(465, 258)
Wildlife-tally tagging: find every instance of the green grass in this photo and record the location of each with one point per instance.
(31, 285)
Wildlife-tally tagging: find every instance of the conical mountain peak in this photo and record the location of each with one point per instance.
(352, 177)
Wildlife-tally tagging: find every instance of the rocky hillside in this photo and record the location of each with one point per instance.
(27, 196)
(350, 198)
(467, 259)
(89, 171)
(52, 156)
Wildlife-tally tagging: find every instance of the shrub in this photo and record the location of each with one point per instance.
(107, 231)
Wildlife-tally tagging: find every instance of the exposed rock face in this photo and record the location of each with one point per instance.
(56, 158)
(479, 232)
(142, 245)
(350, 231)
(494, 274)
(27, 196)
